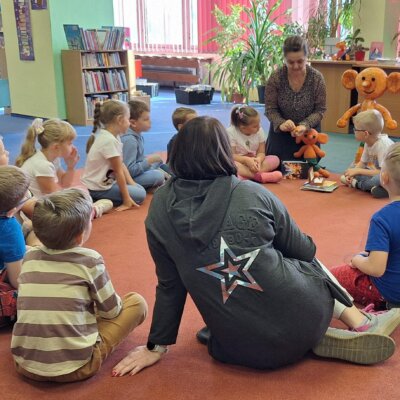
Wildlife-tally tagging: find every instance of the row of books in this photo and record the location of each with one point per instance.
(98, 81)
(106, 38)
(101, 60)
(92, 100)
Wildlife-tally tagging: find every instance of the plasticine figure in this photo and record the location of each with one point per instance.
(310, 151)
(342, 53)
(370, 83)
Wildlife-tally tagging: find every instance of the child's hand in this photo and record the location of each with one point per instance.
(135, 361)
(72, 159)
(252, 164)
(352, 172)
(126, 205)
(154, 158)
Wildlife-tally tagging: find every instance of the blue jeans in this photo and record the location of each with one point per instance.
(150, 178)
(366, 183)
(137, 193)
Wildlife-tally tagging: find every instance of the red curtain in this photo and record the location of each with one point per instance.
(206, 20)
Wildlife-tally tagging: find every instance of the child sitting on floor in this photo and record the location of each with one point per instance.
(65, 332)
(179, 117)
(144, 170)
(43, 167)
(13, 187)
(374, 276)
(368, 127)
(105, 174)
(247, 139)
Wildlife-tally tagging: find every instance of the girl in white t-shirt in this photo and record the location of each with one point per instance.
(248, 146)
(43, 166)
(105, 174)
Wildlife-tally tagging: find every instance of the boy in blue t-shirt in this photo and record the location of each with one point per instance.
(13, 187)
(374, 276)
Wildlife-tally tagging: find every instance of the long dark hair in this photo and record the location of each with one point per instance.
(202, 151)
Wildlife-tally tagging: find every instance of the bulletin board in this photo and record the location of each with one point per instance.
(24, 30)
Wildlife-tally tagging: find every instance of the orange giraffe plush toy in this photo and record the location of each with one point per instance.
(310, 151)
(370, 83)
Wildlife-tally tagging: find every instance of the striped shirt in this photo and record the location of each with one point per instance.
(59, 296)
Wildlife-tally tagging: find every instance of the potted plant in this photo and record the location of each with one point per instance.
(355, 44)
(249, 51)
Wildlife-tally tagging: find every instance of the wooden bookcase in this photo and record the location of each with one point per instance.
(77, 71)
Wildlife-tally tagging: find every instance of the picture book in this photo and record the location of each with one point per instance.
(318, 183)
(295, 169)
(376, 50)
(73, 36)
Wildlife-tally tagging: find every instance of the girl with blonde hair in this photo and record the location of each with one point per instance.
(105, 174)
(43, 166)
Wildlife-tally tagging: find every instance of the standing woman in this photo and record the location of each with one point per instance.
(295, 100)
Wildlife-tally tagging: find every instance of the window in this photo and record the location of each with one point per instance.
(159, 26)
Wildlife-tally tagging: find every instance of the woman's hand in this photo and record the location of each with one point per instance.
(135, 361)
(298, 130)
(287, 126)
(126, 205)
(72, 159)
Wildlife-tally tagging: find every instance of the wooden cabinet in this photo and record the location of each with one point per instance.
(93, 76)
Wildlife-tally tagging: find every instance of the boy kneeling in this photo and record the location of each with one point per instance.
(69, 316)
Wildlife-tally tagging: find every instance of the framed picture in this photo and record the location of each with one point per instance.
(376, 50)
(39, 4)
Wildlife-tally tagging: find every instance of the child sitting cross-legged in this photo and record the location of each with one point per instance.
(13, 187)
(364, 175)
(373, 276)
(248, 146)
(70, 319)
(145, 170)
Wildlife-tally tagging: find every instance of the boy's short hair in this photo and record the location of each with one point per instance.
(14, 184)
(392, 163)
(137, 108)
(60, 217)
(179, 116)
(370, 120)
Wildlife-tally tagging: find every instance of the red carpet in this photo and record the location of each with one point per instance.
(338, 222)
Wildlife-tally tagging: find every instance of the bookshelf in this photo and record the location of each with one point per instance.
(90, 76)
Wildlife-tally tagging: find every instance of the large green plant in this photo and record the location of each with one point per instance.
(250, 54)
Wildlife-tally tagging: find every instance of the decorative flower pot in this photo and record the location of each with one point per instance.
(359, 55)
(238, 98)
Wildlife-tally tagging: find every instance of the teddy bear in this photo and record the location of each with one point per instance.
(370, 83)
(310, 151)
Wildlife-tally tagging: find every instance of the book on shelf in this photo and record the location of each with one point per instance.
(319, 183)
(108, 81)
(73, 36)
(107, 38)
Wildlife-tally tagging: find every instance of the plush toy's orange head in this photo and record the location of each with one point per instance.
(312, 137)
(341, 45)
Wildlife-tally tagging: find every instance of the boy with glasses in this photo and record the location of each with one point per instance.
(364, 175)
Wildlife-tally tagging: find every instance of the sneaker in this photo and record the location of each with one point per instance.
(355, 347)
(343, 180)
(380, 322)
(378, 192)
(101, 207)
(203, 335)
(354, 183)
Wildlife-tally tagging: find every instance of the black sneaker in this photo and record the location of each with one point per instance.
(203, 335)
(378, 192)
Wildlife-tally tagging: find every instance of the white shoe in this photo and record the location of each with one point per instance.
(102, 206)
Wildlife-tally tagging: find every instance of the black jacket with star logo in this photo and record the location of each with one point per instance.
(247, 266)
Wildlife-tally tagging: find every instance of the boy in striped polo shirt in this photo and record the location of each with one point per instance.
(69, 316)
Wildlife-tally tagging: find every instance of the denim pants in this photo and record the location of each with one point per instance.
(366, 183)
(137, 193)
(151, 178)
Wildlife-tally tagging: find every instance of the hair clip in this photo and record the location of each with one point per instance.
(239, 112)
(37, 125)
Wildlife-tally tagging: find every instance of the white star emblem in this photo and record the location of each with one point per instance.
(232, 271)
